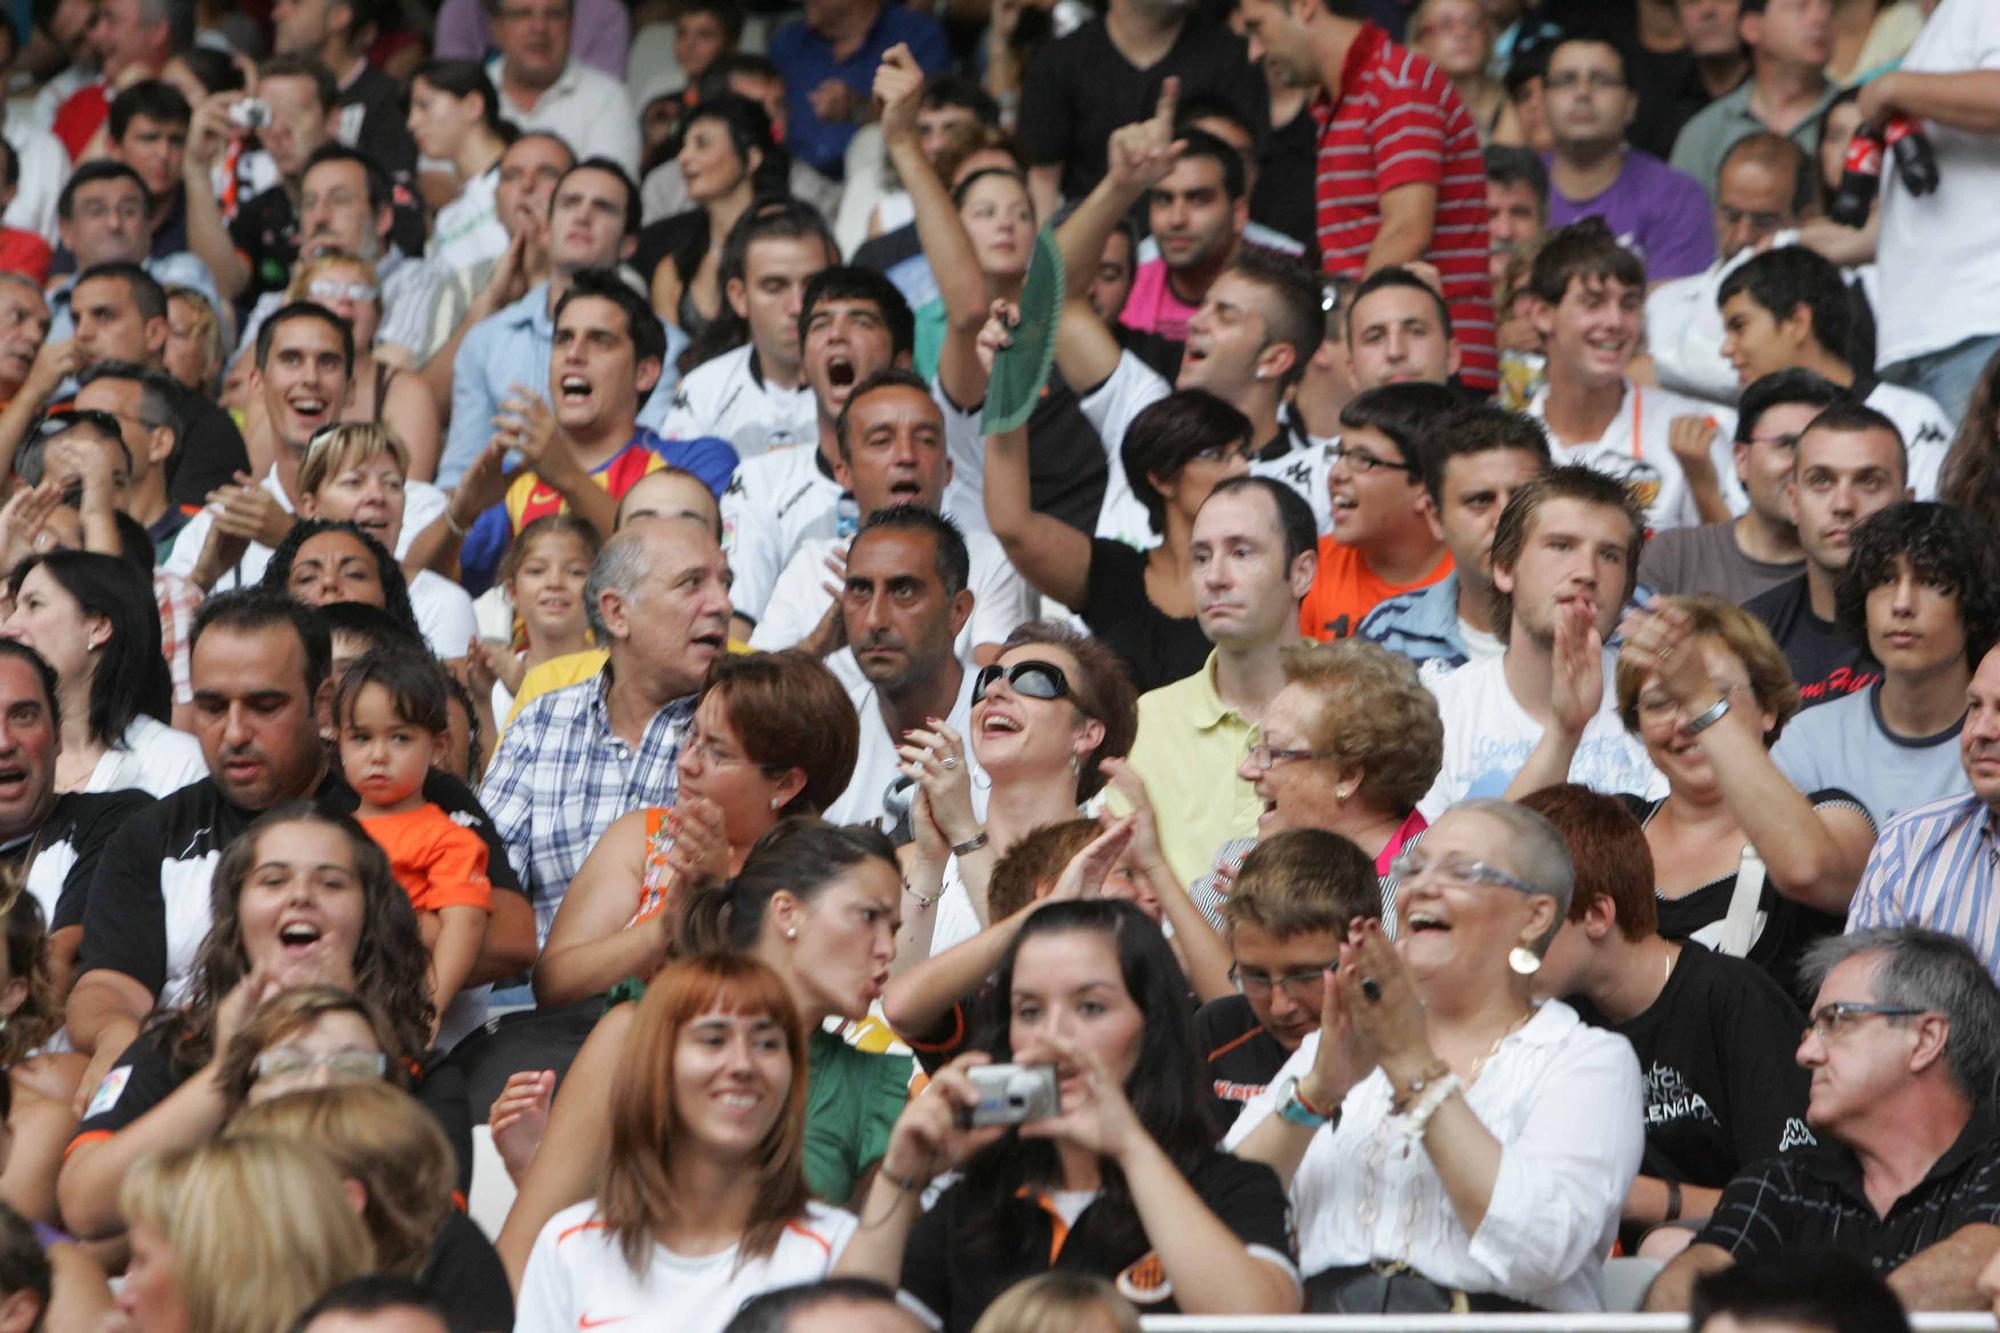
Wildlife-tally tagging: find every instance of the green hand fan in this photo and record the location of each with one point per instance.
(1020, 371)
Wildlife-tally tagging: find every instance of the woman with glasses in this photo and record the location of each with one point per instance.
(93, 618)
(378, 392)
(1450, 1142)
(312, 1037)
(773, 736)
(1457, 37)
(303, 899)
(1174, 453)
(1349, 746)
(1745, 862)
(817, 905)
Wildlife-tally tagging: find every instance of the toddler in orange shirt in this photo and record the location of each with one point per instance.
(390, 712)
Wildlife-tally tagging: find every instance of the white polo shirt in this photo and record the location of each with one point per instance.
(729, 397)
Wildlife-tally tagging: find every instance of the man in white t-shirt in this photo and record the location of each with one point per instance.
(756, 396)
(1587, 297)
(1788, 309)
(1938, 319)
(892, 453)
(853, 324)
(1567, 545)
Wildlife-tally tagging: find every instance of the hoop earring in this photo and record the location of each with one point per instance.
(1525, 961)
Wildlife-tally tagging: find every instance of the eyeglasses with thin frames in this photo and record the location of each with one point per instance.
(1830, 1020)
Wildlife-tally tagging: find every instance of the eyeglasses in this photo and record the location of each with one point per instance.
(1363, 462)
(1733, 217)
(1264, 757)
(348, 1066)
(1597, 81)
(1657, 706)
(1833, 1019)
(1458, 868)
(712, 754)
(1305, 986)
(327, 289)
(1030, 679)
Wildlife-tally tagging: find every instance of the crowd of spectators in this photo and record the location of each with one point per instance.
(997, 666)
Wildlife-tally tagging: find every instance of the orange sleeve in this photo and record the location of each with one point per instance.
(455, 870)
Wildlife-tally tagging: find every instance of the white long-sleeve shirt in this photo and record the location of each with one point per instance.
(1566, 1103)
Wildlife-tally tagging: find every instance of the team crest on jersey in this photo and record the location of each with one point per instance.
(109, 1091)
(1145, 1282)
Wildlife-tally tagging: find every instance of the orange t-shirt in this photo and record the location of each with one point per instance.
(439, 863)
(1345, 590)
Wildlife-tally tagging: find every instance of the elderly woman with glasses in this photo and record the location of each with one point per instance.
(1745, 862)
(1450, 1142)
(1349, 745)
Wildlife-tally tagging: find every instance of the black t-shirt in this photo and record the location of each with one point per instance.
(953, 1269)
(1067, 472)
(1670, 91)
(148, 909)
(1814, 1202)
(61, 856)
(1081, 88)
(147, 1075)
(883, 252)
(209, 453)
(1789, 926)
(1824, 661)
(1242, 1057)
(266, 230)
(1158, 649)
(372, 121)
(1722, 1088)
(682, 238)
(464, 1276)
(1287, 168)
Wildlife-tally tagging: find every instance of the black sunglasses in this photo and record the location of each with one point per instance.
(1030, 679)
(57, 423)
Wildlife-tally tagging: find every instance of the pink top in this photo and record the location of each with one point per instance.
(1405, 833)
(1152, 307)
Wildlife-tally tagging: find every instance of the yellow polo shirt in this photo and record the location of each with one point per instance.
(1189, 746)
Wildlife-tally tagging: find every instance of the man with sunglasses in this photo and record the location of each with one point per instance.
(1383, 541)
(1758, 549)
(1904, 1047)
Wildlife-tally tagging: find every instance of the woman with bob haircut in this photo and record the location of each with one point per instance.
(1702, 685)
(391, 1150)
(302, 898)
(1721, 1025)
(312, 1037)
(703, 1200)
(360, 473)
(320, 562)
(93, 618)
(235, 1237)
(817, 904)
(774, 736)
(1092, 988)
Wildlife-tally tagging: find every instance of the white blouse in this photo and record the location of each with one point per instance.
(152, 757)
(1566, 1102)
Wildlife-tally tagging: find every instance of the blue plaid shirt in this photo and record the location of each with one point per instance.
(561, 776)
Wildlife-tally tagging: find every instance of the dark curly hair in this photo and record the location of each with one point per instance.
(395, 590)
(1943, 547)
(391, 965)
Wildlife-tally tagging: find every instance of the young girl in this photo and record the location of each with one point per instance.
(542, 574)
(391, 713)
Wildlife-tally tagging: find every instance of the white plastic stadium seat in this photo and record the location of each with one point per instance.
(492, 1187)
(1625, 1280)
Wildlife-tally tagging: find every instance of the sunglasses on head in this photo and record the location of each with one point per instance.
(1030, 679)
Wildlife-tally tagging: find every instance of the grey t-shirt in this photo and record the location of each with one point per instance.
(1845, 744)
(1707, 560)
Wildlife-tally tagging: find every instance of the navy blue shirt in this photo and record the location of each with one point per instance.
(807, 61)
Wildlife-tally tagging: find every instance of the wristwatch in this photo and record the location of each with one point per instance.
(1293, 1106)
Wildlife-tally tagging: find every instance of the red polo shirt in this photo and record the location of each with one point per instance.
(1398, 121)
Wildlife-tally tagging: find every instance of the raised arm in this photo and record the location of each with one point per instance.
(899, 86)
(207, 237)
(1576, 691)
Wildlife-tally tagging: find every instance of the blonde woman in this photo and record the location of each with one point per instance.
(387, 1146)
(378, 392)
(1060, 1302)
(359, 472)
(195, 349)
(237, 1237)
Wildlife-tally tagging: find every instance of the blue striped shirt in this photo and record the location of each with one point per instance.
(1937, 865)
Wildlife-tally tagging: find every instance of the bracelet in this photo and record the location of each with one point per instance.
(451, 524)
(1401, 1098)
(907, 1186)
(924, 904)
(1296, 1108)
(1708, 717)
(970, 845)
(1434, 1096)
(1673, 1201)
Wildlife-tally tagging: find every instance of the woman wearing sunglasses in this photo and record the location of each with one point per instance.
(379, 392)
(1451, 1143)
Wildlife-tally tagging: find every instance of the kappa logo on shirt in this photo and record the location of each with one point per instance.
(1145, 1281)
(1796, 1135)
(1929, 433)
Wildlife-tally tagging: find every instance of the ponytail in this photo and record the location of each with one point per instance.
(799, 856)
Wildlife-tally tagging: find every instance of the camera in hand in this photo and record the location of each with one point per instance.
(1011, 1095)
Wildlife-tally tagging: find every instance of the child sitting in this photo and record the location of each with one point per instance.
(390, 712)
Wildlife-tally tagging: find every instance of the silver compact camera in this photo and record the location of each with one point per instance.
(250, 114)
(1011, 1095)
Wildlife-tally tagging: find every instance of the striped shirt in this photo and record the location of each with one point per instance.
(1398, 121)
(1937, 865)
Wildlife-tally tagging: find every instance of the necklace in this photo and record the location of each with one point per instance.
(1479, 1065)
